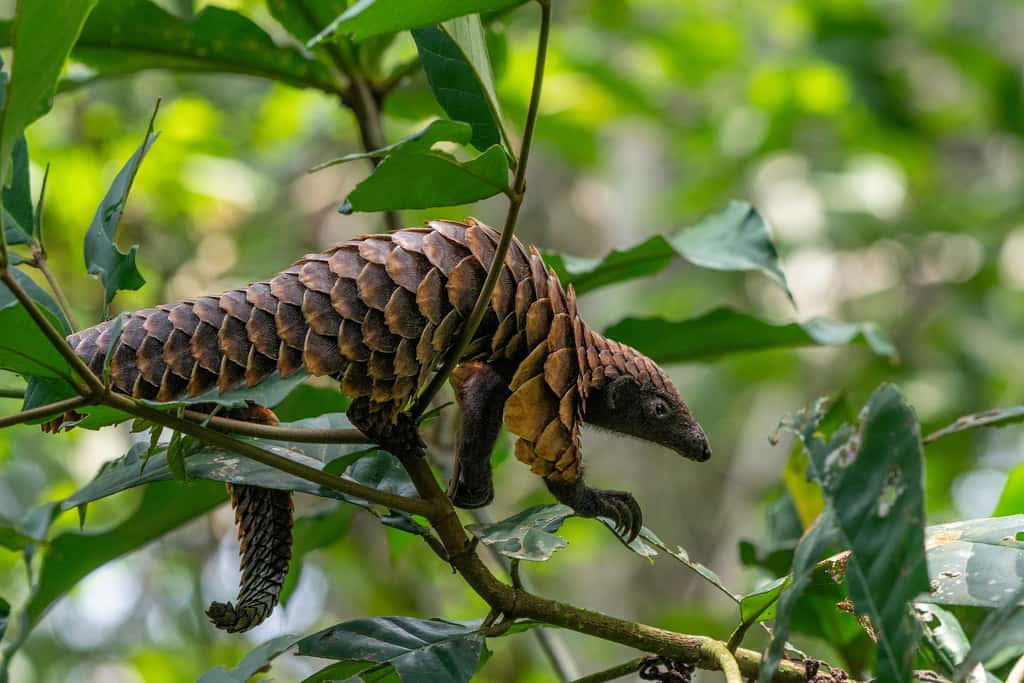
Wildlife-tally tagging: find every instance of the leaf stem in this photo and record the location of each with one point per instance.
(610, 674)
(726, 660)
(56, 408)
(515, 204)
(39, 261)
(274, 432)
(12, 393)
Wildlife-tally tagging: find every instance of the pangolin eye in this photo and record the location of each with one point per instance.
(660, 409)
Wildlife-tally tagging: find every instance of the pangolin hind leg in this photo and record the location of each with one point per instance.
(618, 506)
(481, 392)
(264, 520)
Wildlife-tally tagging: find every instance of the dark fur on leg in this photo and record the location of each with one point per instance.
(481, 393)
(618, 506)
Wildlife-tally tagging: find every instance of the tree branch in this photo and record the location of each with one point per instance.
(274, 432)
(515, 204)
(58, 408)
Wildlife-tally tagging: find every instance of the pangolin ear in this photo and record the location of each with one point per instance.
(622, 390)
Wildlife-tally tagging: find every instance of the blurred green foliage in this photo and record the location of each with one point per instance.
(884, 142)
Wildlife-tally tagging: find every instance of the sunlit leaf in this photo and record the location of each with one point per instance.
(943, 635)
(1011, 500)
(989, 418)
(305, 18)
(454, 57)
(41, 39)
(737, 239)
(872, 477)
(723, 331)
(367, 18)
(528, 535)
(761, 604)
(257, 660)
(418, 649)
(24, 349)
(115, 268)
(977, 562)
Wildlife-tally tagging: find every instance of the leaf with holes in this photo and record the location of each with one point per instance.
(418, 649)
(872, 478)
(528, 535)
(945, 641)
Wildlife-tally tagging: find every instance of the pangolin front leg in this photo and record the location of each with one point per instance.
(618, 506)
(481, 392)
(389, 428)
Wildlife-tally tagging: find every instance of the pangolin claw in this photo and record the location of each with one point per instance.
(622, 509)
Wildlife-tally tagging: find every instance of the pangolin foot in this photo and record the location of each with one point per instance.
(469, 498)
(618, 506)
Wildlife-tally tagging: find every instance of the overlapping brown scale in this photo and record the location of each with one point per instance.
(315, 274)
(410, 239)
(257, 367)
(320, 354)
(538, 273)
(345, 300)
(405, 359)
(286, 287)
(465, 281)
(431, 298)
(443, 253)
(376, 248)
(407, 268)
(446, 331)
(346, 262)
(291, 325)
(480, 245)
(402, 315)
(319, 314)
(538, 322)
(376, 334)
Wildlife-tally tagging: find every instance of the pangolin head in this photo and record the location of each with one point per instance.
(627, 392)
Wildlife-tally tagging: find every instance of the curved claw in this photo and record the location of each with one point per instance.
(618, 506)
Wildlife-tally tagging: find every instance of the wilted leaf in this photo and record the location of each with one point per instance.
(253, 663)
(735, 239)
(418, 649)
(367, 18)
(977, 562)
(454, 57)
(723, 331)
(872, 477)
(528, 535)
(988, 418)
(414, 175)
(944, 636)
(115, 268)
(127, 36)
(41, 39)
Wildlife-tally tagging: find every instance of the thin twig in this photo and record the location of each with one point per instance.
(12, 393)
(39, 261)
(57, 408)
(612, 673)
(515, 203)
(276, 433)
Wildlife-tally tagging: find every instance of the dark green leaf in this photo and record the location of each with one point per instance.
(127, 36)
(115, 268)
(723, 331)
(175, 458)
(978, 562)
(735, 239)
(367, 18)
(944, 637)
(347, 672)
(998, 639)
(990, 418)
(304, 18)
(41, 39)
(454, 57)
(416, 176)
(528, 535)
(13, 536)
(872, 478)
(23, 347)
(18, 214)
(5, 616)
(307, 400)
(73, 555)
(811, 548)
(761, 604)
(253, 663)
(418, 649)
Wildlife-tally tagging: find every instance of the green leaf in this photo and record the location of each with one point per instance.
(310, 533)
(304, 18)
(418, 649)
(347, 672)
(367, 18)
(257, 660)
(998, 639)
(127, 36)
(812, 547)
(306, 400)
(455, 59)
(723, 331)
(977, 562)
(18, 214)
(999, 417)
(41, 39)
(13, 536)
(944, 637)
(872, 477)
(1011, 500)
(381, 470)
(416, 176)
(528, 535)
(760, 605)
(5, 616)
(115, 268)
(735, 239)
(24, 349)
(73, 555)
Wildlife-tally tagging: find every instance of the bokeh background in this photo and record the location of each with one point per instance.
(883, 140)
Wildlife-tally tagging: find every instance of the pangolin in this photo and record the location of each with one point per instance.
(378, 314)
